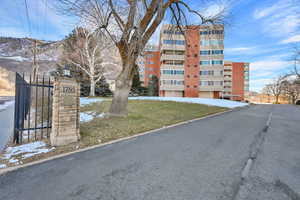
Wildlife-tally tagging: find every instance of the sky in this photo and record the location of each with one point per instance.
(261, 32)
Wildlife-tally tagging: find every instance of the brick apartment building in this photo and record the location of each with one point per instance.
(149, 64)
(192, 65)
(236, 80)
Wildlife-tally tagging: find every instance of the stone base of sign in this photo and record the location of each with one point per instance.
(65, 114)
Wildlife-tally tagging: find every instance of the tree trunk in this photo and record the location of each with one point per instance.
(276, 99)
(293, 99)
(92, 88)
(120, 99)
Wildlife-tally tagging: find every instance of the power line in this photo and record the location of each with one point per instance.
(27, 16)
(45, 17)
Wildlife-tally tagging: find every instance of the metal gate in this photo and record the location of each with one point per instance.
(33, 108)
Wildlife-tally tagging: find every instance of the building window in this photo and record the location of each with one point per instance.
(217, 52)
(173, 72)
(173, 32)
(176, 42)
(207, 73)
(217, 62)
(204, 42)
(172, 82)
(206, 83)
(207, 52)
(173, 52)
(210, 83)
(211, 32)
(212, 42)
(203, 32)
(216, 42)
(204, 62)
(173, 62)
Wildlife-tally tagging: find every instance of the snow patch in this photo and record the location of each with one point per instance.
(27, 151)
(85, 101)
(206, 101)
(89, 116)
(85, 117)
(16, 58)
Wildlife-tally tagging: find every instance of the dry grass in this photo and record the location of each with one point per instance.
(143, 116)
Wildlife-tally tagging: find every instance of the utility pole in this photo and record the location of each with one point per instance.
(35, 66)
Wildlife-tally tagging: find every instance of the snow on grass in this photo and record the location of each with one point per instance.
(25, 151)
(89, 116)
(16, 58)
(85, 101)
(6, 104)
(85, 117)
(206, 101)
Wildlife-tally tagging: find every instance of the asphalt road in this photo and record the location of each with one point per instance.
(199, 160)
(6, 121)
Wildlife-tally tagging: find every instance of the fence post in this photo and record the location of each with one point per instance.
(65, 112)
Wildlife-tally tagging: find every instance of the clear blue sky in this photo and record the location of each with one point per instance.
(263, 33)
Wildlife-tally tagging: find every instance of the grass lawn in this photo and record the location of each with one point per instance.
(143, 116)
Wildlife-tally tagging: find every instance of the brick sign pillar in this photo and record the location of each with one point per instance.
(65, 114)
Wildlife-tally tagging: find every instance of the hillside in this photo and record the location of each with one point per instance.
(16, 56)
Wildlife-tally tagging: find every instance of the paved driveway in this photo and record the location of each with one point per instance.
(199, 160)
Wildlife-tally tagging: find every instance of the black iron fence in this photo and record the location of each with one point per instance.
(33, 108)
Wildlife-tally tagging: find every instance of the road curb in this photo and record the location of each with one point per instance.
(10, 169)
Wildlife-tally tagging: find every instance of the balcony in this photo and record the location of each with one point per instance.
(171, 87)
(171, 66)
(211, 88)
(172, 47)
(172, 57)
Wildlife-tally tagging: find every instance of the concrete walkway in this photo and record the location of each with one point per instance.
(200, 160)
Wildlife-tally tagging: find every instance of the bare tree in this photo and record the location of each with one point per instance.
(89, 52)
(297, 61)
(275, 88)
(130, 24)
(291, 89)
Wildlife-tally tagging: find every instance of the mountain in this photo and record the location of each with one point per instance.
(16, 54)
